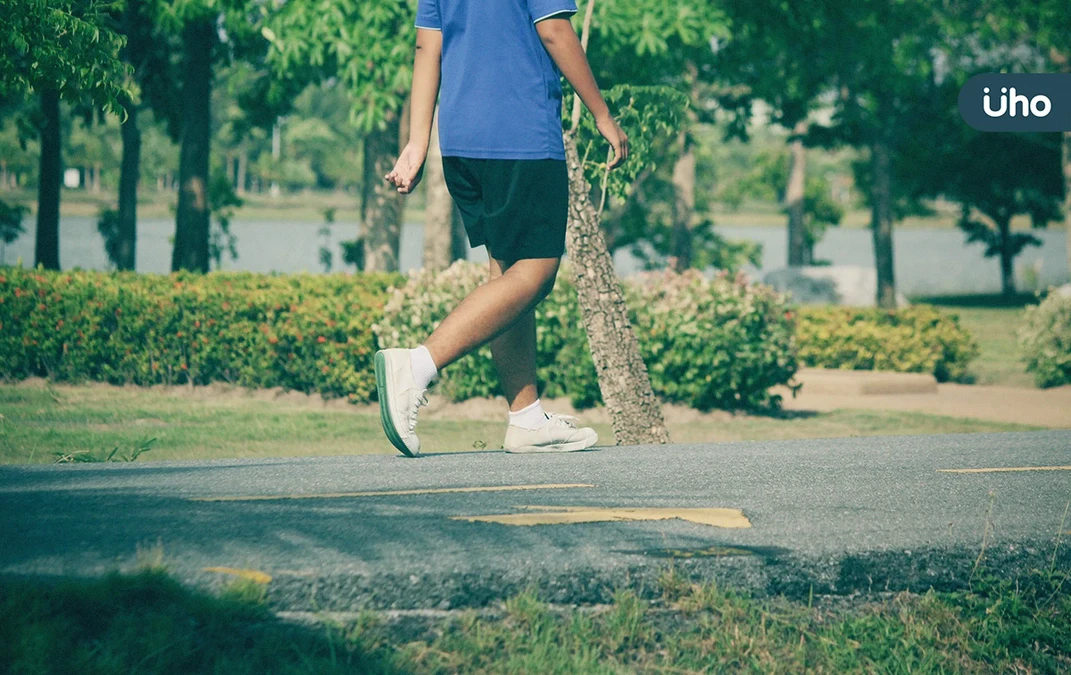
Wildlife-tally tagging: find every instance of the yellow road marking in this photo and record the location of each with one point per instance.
(565, 515)
(252, 575)
(1007, 468)
(393, 493)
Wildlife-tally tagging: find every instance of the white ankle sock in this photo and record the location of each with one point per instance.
(424, 370)
(530, 417)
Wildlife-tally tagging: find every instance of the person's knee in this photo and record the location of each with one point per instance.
(538, 274)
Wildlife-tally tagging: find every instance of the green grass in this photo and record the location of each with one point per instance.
(993, 320)
(88, 422)
(148, 623)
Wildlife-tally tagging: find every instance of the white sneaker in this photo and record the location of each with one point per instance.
(559, 434)
(399, 399)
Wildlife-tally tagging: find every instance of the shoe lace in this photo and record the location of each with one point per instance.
(563, 420)
(422, 400)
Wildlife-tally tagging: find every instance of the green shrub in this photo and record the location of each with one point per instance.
(917, 339)
(305, 332)
(1045, 338)
(706, 343)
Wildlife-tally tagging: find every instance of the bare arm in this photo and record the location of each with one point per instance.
(425, 91)
(564, 47)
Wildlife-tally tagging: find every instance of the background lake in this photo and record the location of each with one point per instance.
(928, 261)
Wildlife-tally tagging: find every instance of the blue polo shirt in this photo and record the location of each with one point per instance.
(500, 95)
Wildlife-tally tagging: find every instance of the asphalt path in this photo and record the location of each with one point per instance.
(827, 516)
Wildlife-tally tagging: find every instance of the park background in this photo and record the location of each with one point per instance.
(198, 259)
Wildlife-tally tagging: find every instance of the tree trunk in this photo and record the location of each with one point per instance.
(128, 188)
(438, 209)
(48, 183)
(635, 413)
(1067, 192)
(882, 225)
(794, 192)
(1007, 271)
(243, 167)
(192, 219)
(683, 204)
(382, 204)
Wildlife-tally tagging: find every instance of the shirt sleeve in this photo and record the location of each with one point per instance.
(427, 15)
(544, 9)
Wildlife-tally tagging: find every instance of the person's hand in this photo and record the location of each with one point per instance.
(408, 170)
(616, 137)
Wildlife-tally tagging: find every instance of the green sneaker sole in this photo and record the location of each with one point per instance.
(384, 412)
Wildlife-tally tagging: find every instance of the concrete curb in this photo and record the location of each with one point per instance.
(864, 382)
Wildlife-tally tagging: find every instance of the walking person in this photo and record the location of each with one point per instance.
(499, 63)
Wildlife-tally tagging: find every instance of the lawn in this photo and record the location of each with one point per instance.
(148, 623)
(42, 422)
(993, 320)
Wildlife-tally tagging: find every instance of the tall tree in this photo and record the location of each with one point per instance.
(651, 43)
(1044, 26)
(772, 55)
(59, 49)
(192, 218)
(880, 56)
(49, 179)
(635, 413)
(367, 45)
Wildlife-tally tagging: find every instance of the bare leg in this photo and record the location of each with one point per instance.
(514, 352)
(492, 309)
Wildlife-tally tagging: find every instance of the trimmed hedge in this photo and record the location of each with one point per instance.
(1045, 338)
(707, 343)
(305, 332)
(916, 339)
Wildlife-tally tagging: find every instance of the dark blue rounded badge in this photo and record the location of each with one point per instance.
(1017, 102)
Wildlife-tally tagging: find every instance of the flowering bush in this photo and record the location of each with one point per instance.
(1045, 338)
(706, 343)
(916, 339)
(304, 332)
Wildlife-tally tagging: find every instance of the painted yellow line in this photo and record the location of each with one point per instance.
(393, 493)
(252, 575)
(568, 515)
(1001, 469)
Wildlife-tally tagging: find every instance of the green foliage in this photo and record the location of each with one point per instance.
(63, 45)
(646, 114)
(11, 216)
(108, 227)
(917, 339)
(1045, 338)
(303, 332)
(707, 343)
(367, 44)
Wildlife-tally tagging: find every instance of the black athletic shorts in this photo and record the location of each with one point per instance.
(516, 207)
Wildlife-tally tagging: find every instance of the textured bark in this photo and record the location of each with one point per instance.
(46, 246)
(192, 218)
(635, 413)
(1067, 191)
(794, 191)
(438, 209)
(882, 225)
(128, 189)
(382, 205)
(683, 205)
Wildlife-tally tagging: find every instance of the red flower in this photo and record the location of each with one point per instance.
(321, 339)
